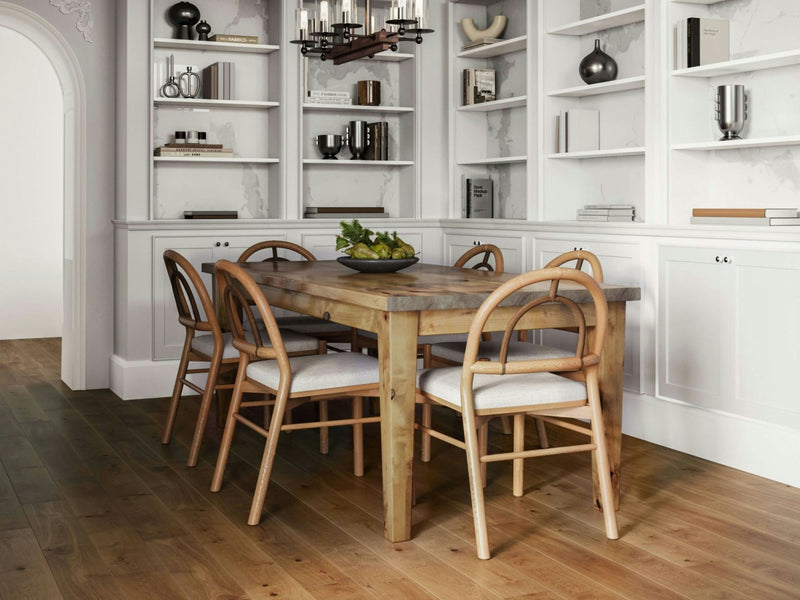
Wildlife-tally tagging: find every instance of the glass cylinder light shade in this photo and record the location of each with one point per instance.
(301, 24)
(324, 15)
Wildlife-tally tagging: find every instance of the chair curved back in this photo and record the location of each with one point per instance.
(579, 256)
(239, 292)
(187, 288)
(276, 245)
(587, 356)
(488, 251)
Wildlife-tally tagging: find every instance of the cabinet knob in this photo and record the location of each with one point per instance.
(718, 259)
(727, 259)
(476, 242)
(226, 244)
(217, 244)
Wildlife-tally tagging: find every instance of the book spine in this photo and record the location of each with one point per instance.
(729, 212)
(693, 41)
(468, 197)
(327, 94)
(234, 39)
(385, 140)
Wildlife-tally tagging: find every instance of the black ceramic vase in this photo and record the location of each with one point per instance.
(203, 29)
(597, 66)
(184, 15)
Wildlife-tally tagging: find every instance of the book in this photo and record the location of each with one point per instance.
(195, 148)
(224, 153)
(480, 42)
(581, 130)
(768, 221)
(347, 215)
(341, 101)
(606, 218)
(384, 134)
(234, 39)
(479, 86)
(218, 81)
(744, 212)
(707, 41)
(630, 206)
(478, 198)
(344, 209)
(557, 135)
(210, 214)
(327, 94)
(373, 146)
(619, 212)
(192, 146)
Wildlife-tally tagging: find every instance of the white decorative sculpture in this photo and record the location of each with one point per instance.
(84, 9)
(495, 30)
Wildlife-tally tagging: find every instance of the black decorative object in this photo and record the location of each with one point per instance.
(597, 66)
(203, 29)
(184, 15)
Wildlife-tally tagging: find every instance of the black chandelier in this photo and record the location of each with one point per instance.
(330, 29)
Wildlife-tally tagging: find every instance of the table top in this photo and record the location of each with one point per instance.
(419, 287)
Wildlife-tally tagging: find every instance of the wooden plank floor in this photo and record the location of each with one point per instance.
(93, 506)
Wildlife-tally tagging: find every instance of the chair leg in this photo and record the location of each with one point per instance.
(183, 366)
(230, 425)
(270, 446)
(205, 408)
(324, 432)
(358, 438)
(425, 438)
(542, 433)
(519, 463)
(475, 487)
(601, 456)
(506, 425)
(483, 442)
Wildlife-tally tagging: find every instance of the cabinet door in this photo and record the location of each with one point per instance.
(621, 265)
(728, 324)
(511, 245)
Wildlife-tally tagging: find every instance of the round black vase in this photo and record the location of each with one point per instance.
(597, 66)
(184, 15)
(203, 29)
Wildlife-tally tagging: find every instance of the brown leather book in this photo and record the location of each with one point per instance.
(750, 213)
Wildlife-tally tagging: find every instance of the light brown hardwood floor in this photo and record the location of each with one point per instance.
(93, 506)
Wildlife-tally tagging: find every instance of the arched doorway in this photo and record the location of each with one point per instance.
(50, 42)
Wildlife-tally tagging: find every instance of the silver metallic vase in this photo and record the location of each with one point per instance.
(356, 137)
(731, 110)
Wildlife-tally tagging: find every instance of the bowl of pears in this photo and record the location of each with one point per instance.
(370, 252)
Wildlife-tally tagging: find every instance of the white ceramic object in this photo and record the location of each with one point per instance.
(495, 30)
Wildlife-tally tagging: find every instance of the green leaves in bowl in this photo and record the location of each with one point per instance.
(361, 243)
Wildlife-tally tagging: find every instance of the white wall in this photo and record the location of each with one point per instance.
(31, 191)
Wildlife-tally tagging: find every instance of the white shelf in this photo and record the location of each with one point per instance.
(608, 87)
(634, 14)
(501, 104)
(697, 1)
(635, 151)
(743, 65)
(390, 56)
(216, 46)
(342, 162)
(791, 140)
(207, 103)
(202, 159)
(357, 108)
(502, 160)
(516, 44)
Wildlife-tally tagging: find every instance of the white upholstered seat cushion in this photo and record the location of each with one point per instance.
(490, 350)
(319, 372)
(501, 391)
(293, 342)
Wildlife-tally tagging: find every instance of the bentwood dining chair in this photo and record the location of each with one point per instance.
(205, 343)
(557, 390)
(266, 368)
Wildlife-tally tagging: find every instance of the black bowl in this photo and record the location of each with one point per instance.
(377, 265)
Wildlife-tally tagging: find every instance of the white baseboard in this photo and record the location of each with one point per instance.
(135, 380)
(756, 447)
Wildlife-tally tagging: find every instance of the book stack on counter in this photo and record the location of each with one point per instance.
(577, 130)
(345, 212)
(479, 86)
(745, 216)
(378, 147)
(194, 150)
(219, 81)
(607, 212)
(328, 97)
(701, 42)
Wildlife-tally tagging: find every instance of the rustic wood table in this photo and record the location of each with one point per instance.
(422, 300)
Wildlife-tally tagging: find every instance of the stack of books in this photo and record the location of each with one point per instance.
(219, 81)
(345, 212)
(479, 86)
(607, 212)
(480, 42)
(577, 130)
(194, 150)
(701, 42)
(328, 97)
(378, 147)
(234, 39)
(745, 216)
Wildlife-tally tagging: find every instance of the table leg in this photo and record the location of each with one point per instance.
(397, 353)
(610, 379)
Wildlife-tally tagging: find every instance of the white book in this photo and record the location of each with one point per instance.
(327, 94)
(683, 44)
(729, 220)
(562, 133)
(710, 41)
(582, 129)
(343, 101)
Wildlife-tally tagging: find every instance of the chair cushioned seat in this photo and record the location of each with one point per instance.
(318, 372)
(517, 350)
(294, 342)
(501, 391)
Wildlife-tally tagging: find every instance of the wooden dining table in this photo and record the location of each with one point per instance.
(430, 299)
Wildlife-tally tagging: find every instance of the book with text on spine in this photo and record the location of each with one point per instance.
(234, 39)
(708, 41)
(744, 212)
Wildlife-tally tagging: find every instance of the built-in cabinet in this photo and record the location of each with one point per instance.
(513, 246)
